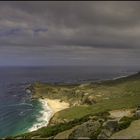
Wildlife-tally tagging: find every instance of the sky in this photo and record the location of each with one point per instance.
(69, 33)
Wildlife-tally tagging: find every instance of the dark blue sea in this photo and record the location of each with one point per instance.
(18, 113)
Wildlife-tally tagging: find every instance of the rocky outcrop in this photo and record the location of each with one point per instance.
(65, 134)
(90, 100)
(105, 134)
(109, 127)
(96, 127)
(87, 129)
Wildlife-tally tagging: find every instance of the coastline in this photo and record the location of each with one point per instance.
(118, 104)
(49, 108)
(117, 77)
(125, 76)
(52, 106)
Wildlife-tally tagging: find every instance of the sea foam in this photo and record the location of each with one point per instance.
(45, 116)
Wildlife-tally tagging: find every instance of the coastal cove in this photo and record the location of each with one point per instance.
(48, 108)
(86, 106)
(20, 114)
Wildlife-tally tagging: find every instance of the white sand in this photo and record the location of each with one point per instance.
(56, 105)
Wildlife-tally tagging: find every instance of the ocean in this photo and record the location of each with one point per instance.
(20, 114)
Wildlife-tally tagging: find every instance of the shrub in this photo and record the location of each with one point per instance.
(126, 121)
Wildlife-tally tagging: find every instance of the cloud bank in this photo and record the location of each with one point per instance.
(80, 33)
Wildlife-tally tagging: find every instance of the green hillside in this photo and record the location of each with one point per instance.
(93, 99)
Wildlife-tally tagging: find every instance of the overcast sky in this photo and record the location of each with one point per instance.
(70, 33)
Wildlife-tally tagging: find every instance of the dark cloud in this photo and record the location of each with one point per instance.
(66, 25)
(75, 23)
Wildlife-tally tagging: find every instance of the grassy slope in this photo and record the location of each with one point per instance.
(121, 93)
(117, 94)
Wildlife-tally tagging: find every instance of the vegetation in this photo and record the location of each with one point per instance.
(52, 130)
(126, 121)
(123, 93)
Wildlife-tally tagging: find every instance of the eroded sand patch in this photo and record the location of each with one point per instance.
(118, 114)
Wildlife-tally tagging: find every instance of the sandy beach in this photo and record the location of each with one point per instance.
(56, 105)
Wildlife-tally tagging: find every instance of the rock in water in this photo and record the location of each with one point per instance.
(28, 91)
